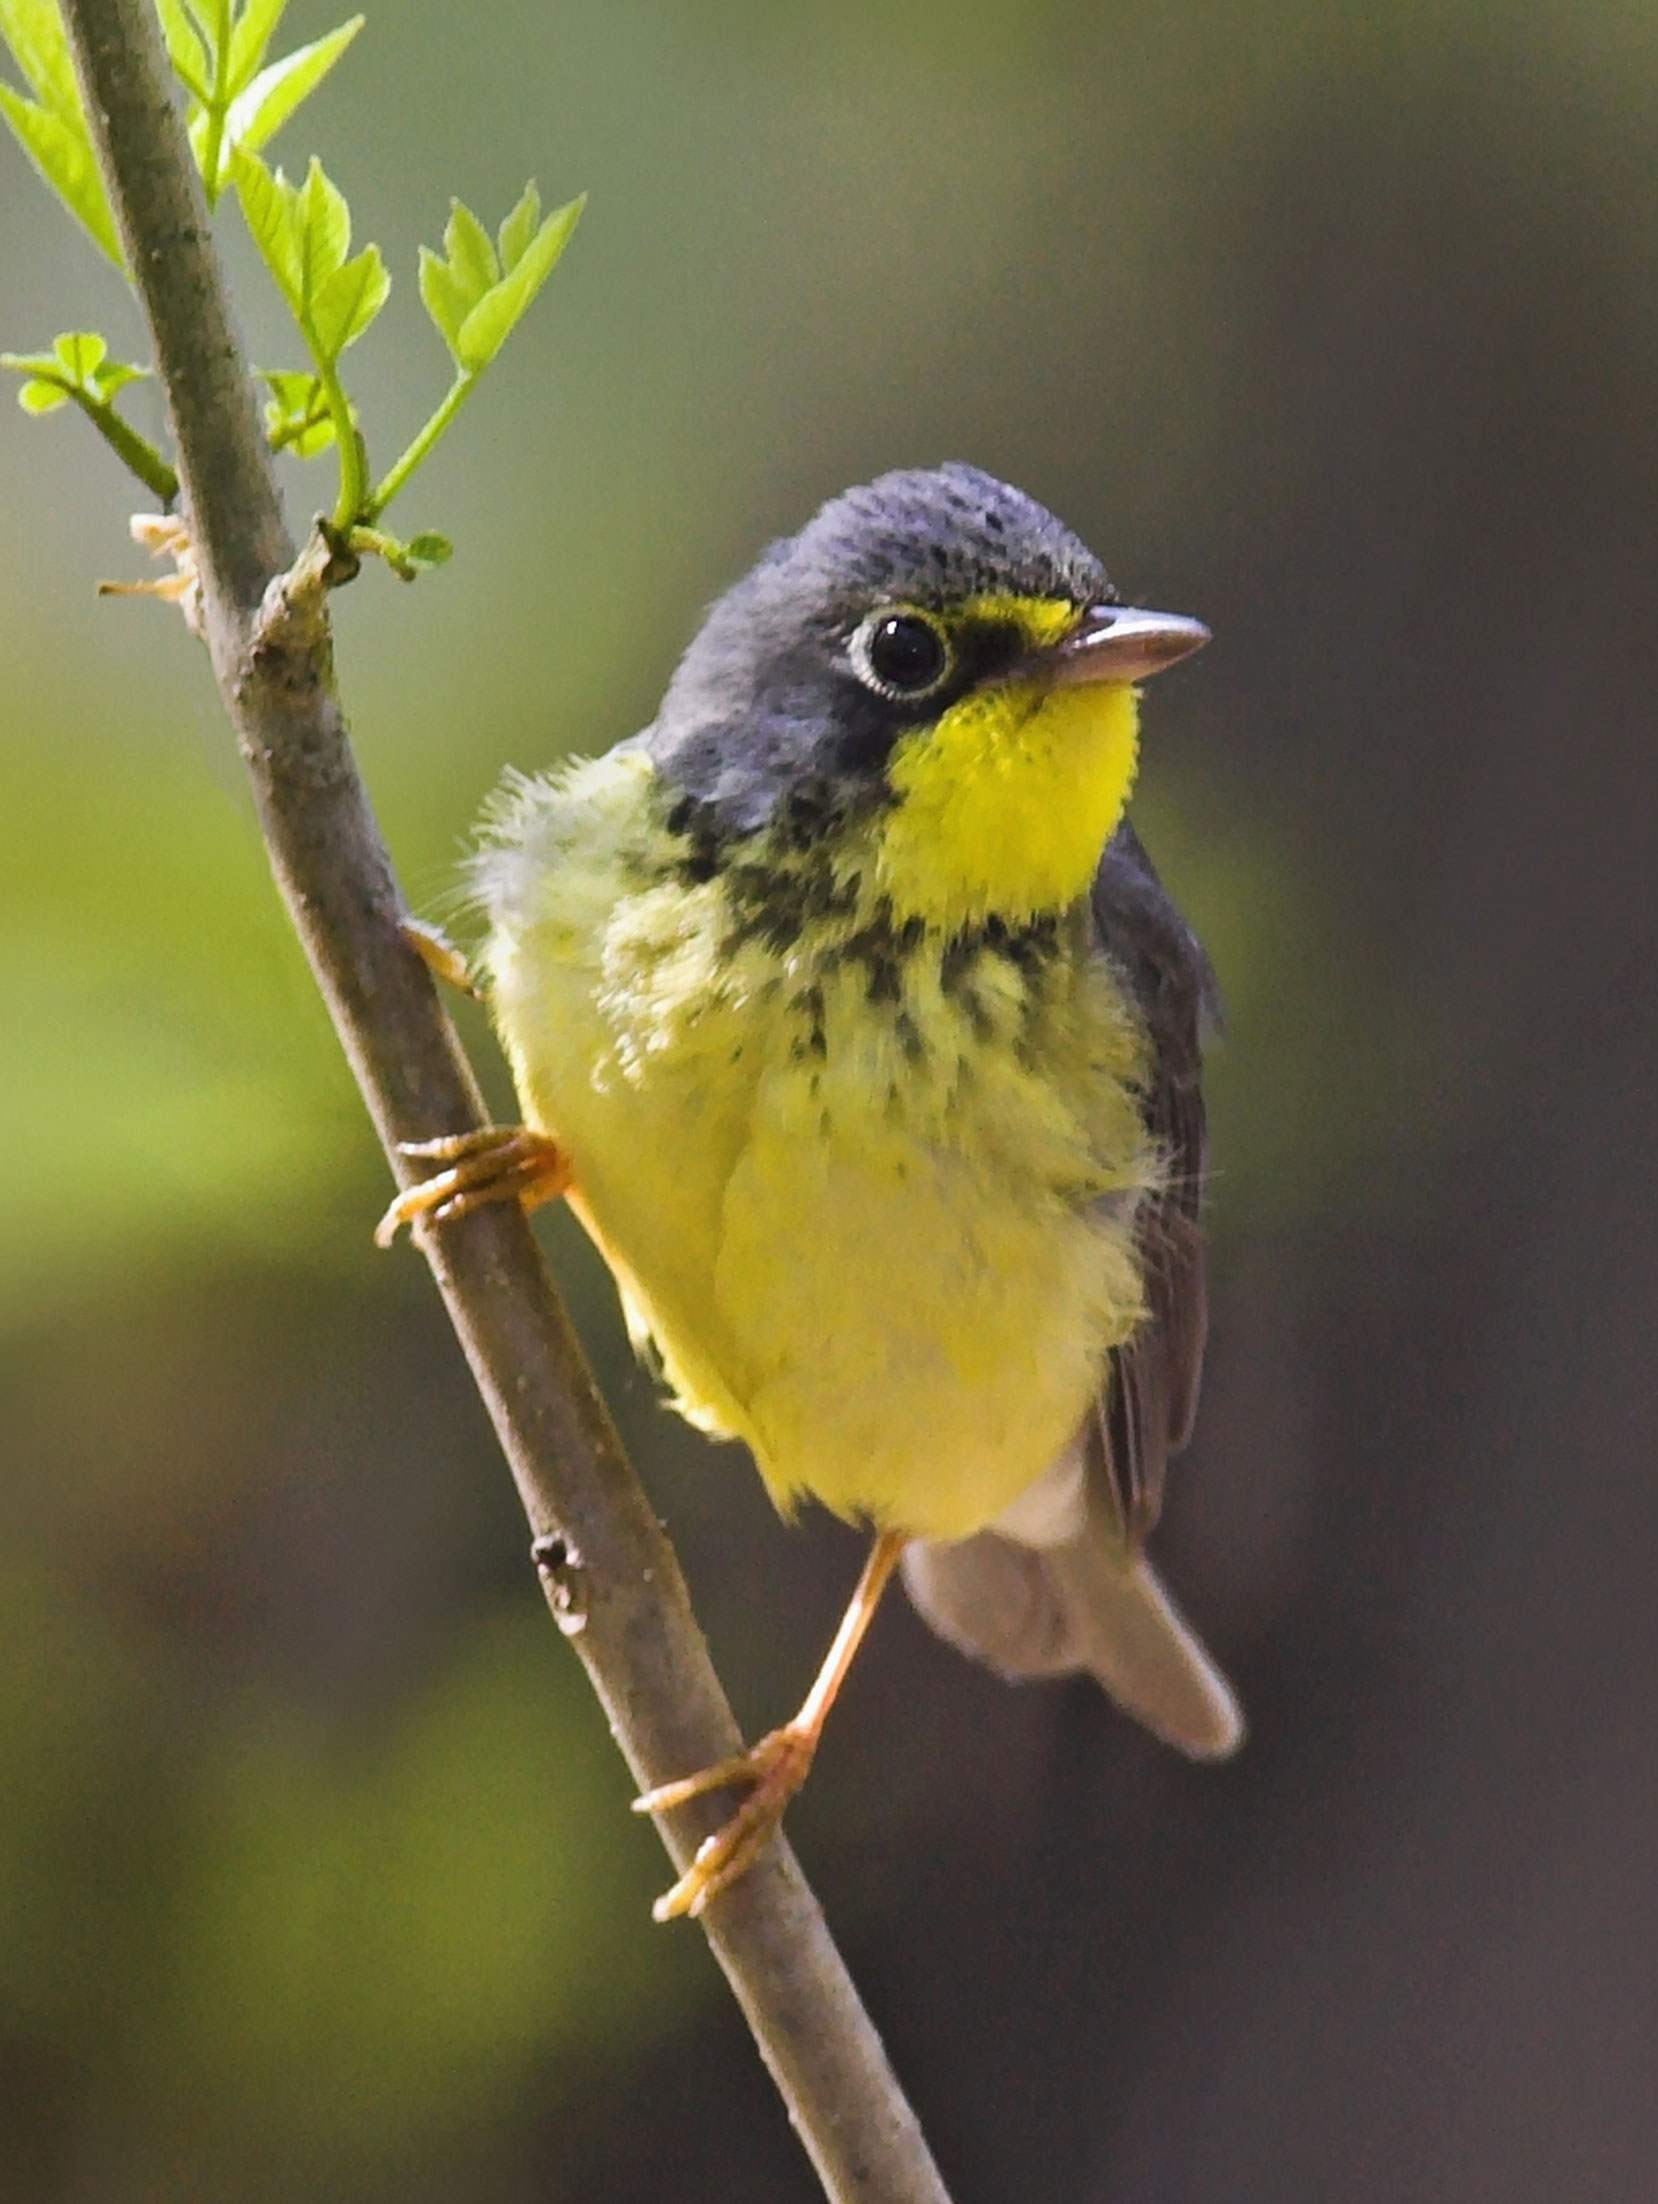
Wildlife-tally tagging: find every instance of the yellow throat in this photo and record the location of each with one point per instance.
(1006, 802)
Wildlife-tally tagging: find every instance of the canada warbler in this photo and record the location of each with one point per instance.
(848, 1013)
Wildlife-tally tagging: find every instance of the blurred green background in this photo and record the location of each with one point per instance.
(1338, 327)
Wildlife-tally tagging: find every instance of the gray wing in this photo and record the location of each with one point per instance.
(1093, 1600)
(1149, 1398)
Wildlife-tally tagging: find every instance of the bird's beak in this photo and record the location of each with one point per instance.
(1119, 644)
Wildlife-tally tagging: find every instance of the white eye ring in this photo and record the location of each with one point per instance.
(902, 654)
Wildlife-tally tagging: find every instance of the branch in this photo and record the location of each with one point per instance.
(611, 1578)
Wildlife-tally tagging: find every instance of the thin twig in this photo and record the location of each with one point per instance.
(611, 1578)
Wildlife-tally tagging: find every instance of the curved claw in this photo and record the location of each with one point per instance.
(494, 1163)
(777, 1766)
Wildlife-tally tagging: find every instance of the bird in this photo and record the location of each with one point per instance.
(847, 1011)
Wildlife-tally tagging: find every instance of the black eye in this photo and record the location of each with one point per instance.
(901, 654)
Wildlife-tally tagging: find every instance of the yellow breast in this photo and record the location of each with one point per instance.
(870, 1192)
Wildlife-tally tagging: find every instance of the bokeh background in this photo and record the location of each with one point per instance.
(1337, 326)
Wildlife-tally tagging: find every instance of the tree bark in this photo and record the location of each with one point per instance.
(611, 1578)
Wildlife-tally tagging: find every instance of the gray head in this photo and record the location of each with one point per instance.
(893, 602)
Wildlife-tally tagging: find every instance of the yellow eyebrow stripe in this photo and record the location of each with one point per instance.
(1040, 620)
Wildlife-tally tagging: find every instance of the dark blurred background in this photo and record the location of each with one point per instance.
(1337, 327)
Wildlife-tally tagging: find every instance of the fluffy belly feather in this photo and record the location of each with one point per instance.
(920, 1346)
(876, 1216)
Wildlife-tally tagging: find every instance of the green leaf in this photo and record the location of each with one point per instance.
(322, 223)
(471, 253)
(289, 386)
(452, 285)
(199, 130)
(33, 29)
(442, 297)
(268, 204)
(186, 49)
(78, 361)
(473, 304)
(80, 354)
(311, 438)
(408, 561)
(519, 228)
(60, 148)
(115, 375)
(429, 549)
(259, 112)
(348, 301)
(303, 235)
(255, 28)
(492, 320)
(293, 389)
(297, 418)
(78, 367)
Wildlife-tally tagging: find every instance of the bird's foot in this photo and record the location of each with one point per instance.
(441, 958)
(776, 1768)
(495, 1163)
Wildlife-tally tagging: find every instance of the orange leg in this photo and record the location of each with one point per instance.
(495, 1163)
(777, 1766)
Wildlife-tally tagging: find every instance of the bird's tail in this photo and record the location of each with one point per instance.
(1089, 1604)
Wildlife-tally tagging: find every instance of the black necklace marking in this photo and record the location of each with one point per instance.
(779, 889)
